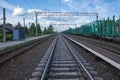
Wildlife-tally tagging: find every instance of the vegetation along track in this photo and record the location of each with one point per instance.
(17, 51)
(61, 63)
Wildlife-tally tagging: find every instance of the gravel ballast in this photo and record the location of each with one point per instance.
(104, 69)
(21, 67)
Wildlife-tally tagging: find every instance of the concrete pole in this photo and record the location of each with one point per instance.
(4, 22)
(25, 28)
(97, 17)
(36, 16)
(97, 25)
(119, 26)
(24, 22)
(29, 28)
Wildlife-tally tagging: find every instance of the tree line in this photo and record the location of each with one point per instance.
(31, 30)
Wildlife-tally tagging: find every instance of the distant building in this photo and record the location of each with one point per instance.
(19, 33)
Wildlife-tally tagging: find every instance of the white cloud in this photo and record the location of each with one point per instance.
(67, 0)
(34, 10)
(6, 5)
(45, 23)
(62, 10)
(70, 3)
(104, 8)
(18, 11)
(38, 17)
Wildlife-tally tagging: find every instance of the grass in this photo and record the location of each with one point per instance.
(8, 37)
(7, 49)
(0, 40)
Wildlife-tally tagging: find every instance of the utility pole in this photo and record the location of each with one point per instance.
(97, 24)
(24, 22)
(97, 17)
(25, 28)
(4, 22)
(29, 28)
(36, 16)
(119, 26)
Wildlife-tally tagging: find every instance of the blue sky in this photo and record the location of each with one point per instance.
(16, 10)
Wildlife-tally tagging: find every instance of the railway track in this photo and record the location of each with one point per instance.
(61, 62)
(106, 55)
(109, 47)
(4, 57)
(114, 49)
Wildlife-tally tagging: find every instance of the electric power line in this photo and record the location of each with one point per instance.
(12, 2)
(35, 5)
(28, 4)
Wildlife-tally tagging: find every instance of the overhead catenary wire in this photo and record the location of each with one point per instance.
(31, 5)
(7, 8)
(28, 4)
(9, 1)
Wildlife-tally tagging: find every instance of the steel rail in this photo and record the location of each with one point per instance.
(52, 47)
(110, 61)
(15, 55)
(77, 58)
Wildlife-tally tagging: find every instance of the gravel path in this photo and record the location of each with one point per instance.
(105, 70)
(21, 67)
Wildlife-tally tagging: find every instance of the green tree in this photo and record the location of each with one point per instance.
(39, 29)
(18, 25)
(32, 29)
(9, 24)
(45, 31)
(26, 30)
(50, 29)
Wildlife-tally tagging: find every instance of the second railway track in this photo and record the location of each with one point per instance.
(17, 51)
(107, 46)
